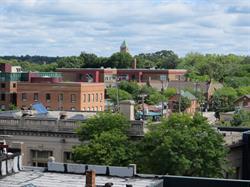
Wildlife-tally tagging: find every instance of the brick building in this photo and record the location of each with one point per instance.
(173, 103)
(97, 75)
(109, 76)
(56, 95)
(10, 76)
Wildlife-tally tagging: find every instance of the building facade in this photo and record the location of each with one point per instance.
(109, 76)
(61, 95)
(10, 76)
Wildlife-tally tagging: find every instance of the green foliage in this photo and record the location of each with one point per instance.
(131, 87)
(169, 92)
(234, 70)
(241, 118)
(107, 148)
(161, 59)
(236, 82)
(120, 60)
(185, 103)
(102, 122)
(154, 98)
(243, 90)
(123, 95)
(223, 99)
(176, 147)
(12, 107)
(70, 62)
(108, 142)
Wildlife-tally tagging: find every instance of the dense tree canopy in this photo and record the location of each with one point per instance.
(182, 145)
(223, 99)
(118, 94)
(108, 143)
(179, 145)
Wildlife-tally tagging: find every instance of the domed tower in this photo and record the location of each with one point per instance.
(124, 47)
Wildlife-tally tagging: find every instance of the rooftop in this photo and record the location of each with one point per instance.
(29, 176)
(72, 115)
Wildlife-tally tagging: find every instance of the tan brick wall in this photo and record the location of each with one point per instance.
(8, 90)
(67, 89)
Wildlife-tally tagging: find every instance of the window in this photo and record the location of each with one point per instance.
(96, 97)
(3, 97)
(88, 97)
(101, 95)
(40, 158)
(96, 108)
(73, 98)
(48, 107)
(93, 108)
(2, 85)
(60, 97)
(67, 157)
(35, 96)
(14, 85)
(73, 108)
(88, 109)
(81, 76)
(89, 77)
(24, 97)
(100, 108)
(84, 98)
(48, 97)
(93, 97)
(2, 107)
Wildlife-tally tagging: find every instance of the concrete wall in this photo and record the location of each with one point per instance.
(29, 123)
(58, 145)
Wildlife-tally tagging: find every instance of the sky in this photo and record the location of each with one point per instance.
(68, 27)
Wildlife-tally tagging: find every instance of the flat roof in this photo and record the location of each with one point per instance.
(51, 179)
(137, 69)
(72, 115)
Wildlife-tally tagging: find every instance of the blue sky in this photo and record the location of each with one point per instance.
(67, 27)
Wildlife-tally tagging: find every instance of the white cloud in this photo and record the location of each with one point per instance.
(67, 27)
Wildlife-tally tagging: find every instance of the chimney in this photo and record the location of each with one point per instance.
(90, 178)
(134, 63)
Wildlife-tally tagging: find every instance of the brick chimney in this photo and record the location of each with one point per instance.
(90, 178)
(134, 63)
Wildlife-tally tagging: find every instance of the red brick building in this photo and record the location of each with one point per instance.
(61, 95)
(109, 76)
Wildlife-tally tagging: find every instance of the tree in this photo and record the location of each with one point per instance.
(120, 60)
(103, 122)
(244, 90)
(185, 103)
(169, 92)
(241, 118)
(131, 87)
(154, 98)
(107, 143)
(223, 99)
(107, 148)
(168, 59)
(122, 95)
(176, 147)
(70, 62)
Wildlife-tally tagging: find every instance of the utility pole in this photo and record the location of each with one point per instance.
(117, 96)
(179, 89)
(162, 104)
